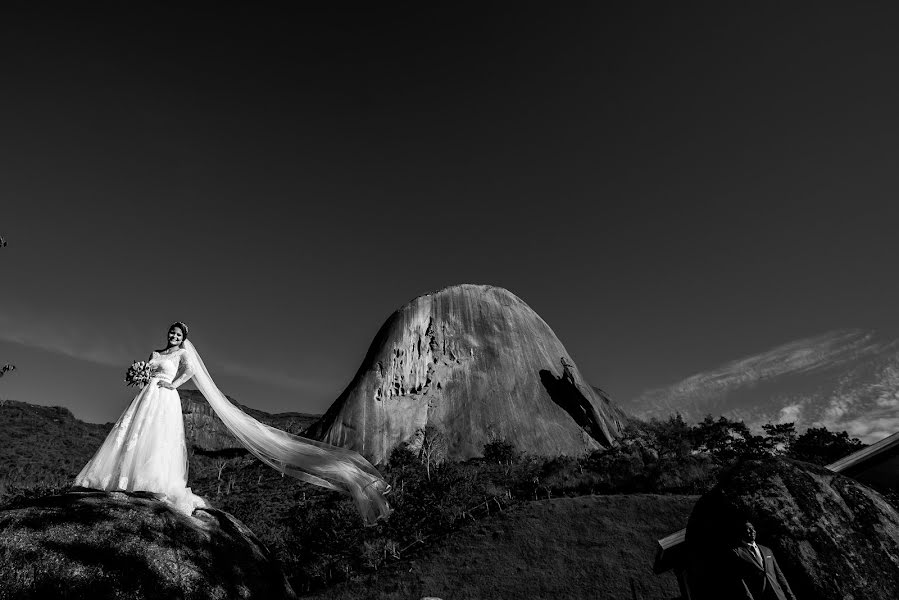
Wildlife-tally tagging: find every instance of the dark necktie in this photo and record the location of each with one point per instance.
(753, 547)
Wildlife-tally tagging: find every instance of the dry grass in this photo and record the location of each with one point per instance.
(585, 547)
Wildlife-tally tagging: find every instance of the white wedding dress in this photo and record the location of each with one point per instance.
(146, 451)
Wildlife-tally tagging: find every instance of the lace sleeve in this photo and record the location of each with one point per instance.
(185, 371)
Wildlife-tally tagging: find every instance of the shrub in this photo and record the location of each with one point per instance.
(499, 451)
(401, 456)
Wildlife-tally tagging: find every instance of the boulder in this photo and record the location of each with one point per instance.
(101, 545)
(834, 538)
(477, 364)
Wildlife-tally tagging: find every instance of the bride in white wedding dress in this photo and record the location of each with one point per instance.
(146, 450)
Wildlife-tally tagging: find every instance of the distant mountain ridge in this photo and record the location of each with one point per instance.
(843, 380)
(49, 444)
(44, 443)
(204, 431)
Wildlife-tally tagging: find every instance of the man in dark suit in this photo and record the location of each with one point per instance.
(756, 573)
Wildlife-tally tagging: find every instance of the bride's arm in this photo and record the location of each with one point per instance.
(184, 373)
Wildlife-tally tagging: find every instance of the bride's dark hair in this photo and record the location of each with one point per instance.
(183, 329)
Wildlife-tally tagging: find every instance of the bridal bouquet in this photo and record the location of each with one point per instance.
(139, 373)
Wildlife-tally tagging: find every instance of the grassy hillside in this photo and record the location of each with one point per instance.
(466, 530)
(46, 446)
(43, 445)
(584, 547)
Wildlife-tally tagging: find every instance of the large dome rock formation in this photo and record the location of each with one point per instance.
(832, 536)
(476, 363)
(101, 545)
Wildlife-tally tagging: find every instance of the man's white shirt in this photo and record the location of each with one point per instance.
(757, 553)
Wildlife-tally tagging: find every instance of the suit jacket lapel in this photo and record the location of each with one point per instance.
(764, 551)
(749, 556)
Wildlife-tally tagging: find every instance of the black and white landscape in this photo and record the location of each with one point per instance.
(578, 291)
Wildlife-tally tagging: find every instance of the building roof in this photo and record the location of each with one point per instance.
(670, 551)
(856, 459)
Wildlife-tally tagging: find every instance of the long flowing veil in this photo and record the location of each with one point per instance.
(315, 462)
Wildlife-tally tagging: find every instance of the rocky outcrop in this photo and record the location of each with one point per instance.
(205, 432)
(833, 537)
(476, 363)
(99, 545)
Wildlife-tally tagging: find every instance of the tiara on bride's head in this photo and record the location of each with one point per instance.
(183, 327)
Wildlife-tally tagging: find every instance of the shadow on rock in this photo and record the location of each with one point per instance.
(570, 398)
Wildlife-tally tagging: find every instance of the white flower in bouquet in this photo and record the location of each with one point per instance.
(139, 373)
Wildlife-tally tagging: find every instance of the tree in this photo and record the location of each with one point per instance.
(781, 436)
(724, 439)
(755, 446)
(497, 449)
(820, 446)
(433, 447)
(401, 456)
(671, 438)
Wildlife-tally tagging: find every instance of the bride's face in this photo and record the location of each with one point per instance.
(176, 336)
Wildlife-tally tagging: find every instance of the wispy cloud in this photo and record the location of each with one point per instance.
(867, 408)
(802, 356)
(112, 344)
(72, 337)
(819, 352)
(842, 380)
(870, 429)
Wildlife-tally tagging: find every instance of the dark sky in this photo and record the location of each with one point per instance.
(669, 186)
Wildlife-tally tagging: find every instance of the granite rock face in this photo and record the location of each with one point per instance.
(833, 537)
(205, 432)
(100, 545)
(476, 363)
